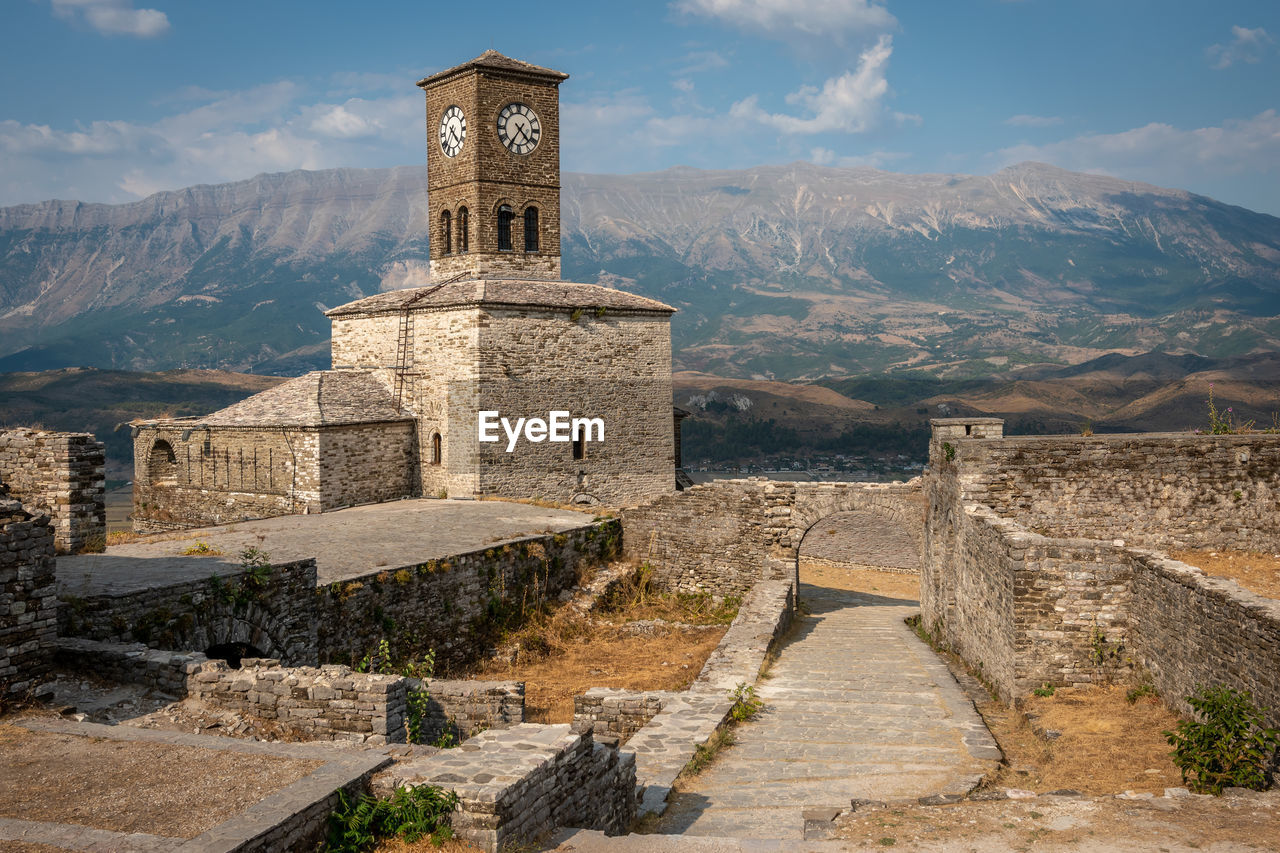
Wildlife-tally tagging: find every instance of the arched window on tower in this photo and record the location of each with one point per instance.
(436, 451)
(505, 218)
(531, 229)
(446, 233)
(463, 222)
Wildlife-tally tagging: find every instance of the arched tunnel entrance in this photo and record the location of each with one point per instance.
(233, 653)
(866, 551)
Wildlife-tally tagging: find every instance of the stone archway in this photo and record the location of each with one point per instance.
(864, 539)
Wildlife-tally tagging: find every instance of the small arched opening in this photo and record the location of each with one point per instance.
(505, 217)
(531, 229)
(162, 464)
(446, 232)
(233, 653)
(464, 229)
(437, 450)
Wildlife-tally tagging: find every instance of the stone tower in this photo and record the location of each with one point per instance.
(493, 169)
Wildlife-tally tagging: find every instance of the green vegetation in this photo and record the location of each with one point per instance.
(418, 700)
(410, 814)
(1228, 746)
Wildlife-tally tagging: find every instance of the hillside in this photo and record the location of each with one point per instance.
(779, 272)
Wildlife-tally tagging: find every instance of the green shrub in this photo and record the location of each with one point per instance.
(1227, 747)
(410, 813)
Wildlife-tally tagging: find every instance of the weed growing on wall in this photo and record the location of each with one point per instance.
(1228, 746)
(410, 814)
(417, 700)
(1224, 423)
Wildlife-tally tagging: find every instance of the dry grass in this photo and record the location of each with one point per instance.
(1107, 746)
(1256, 572)
(131, 786)
(602, 656)
(453, 845)
(883, 583)
(122, 537)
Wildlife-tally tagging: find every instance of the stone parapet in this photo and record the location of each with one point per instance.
(131, 663)
(28, 598)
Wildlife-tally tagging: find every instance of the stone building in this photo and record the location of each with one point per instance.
(497, 378)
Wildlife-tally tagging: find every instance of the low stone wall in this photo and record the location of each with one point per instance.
(325, 703)
(28, 598)
(451, 605)
(517, 785)
(276, 616)
(469, 707)
(131, 663)
(1191, 631)
(61, 474)
(613, 714)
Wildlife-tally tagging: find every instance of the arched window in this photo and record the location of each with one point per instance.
(162, 465)
(505, 218)
(531, 229)
(446, 232)
(463, 221)
(436, 453)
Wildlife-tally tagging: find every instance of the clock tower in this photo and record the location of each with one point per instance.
(493, 169)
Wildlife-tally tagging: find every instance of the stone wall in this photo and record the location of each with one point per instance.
(718, 537)
(518, 784)
(221, 474)
(1190, 630)
(1026, 608)
(455, 605)
(61, 474)
(325, 703)
(469, 707)
(131, 663)
(1152, 490)
(276, 617)
(613, 714)
(28, 602)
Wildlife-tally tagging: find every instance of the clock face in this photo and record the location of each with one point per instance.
(519, 128)
(453, 130)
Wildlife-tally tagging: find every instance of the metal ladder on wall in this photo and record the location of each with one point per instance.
(404, 355)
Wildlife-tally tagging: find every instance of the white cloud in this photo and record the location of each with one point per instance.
(114, 17)
(268, 128)
(850, 103)
(825, 19)
(1163, 154)
(703, 60)
(1246, 45)
(1033, 121)
(873, 159)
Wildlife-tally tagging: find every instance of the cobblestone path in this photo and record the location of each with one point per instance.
(857, 706)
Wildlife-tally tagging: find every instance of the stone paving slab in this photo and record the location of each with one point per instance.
(856, 706)
(587, 841)
(346, 543)
(69, 836)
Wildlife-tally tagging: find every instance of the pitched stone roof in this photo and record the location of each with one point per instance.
(495, 61)
(514, 293)
(320, 398)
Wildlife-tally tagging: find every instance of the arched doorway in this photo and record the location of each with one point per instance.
(866, 551)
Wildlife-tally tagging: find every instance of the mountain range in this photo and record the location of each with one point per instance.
(796, 272)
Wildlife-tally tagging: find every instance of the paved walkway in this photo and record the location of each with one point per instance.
(346, 543)
(857, 706)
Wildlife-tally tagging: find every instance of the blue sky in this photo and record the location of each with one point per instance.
(110, 100)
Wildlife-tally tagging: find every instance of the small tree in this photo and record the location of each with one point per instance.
(1228, 746)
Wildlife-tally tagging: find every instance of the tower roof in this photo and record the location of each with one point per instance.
(491, 60)
(509, 293)
(319, 398)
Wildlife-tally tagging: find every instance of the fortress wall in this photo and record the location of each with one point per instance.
(28, 602)
(275, 615)
(1190, 630)
(457, 604)
(1154, 490)
(61, 474)
(718, 537)
(1027, 609)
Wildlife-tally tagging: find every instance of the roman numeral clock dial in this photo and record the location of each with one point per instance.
(519, 128)
(453, 130)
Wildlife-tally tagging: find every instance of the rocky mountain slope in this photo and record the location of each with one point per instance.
(780, 272)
